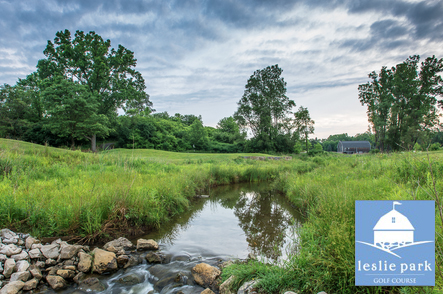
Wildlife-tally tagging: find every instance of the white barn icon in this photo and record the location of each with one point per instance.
(393, 229)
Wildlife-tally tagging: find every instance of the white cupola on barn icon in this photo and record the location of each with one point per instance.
(393, 229)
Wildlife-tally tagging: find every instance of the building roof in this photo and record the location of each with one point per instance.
(355, 144)
(401, 222)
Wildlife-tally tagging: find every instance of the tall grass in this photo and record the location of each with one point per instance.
(326, 241)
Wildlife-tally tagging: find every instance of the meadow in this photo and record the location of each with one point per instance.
(54, 192)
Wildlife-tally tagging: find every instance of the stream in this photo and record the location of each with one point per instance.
(235, 221)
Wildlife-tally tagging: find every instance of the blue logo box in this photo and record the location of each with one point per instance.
(395, 243)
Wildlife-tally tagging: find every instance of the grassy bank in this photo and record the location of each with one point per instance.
(51, 192)
(325, 260)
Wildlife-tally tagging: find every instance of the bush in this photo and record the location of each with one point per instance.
(434, 147)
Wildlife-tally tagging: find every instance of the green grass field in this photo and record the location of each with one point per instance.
(52, 192)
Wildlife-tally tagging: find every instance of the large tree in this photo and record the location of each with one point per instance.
(402, 102)
(108, 74)
(264, 107)
(304, 125)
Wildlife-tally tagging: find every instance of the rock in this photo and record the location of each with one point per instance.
(251, 256)
(51, 251)
(290, 292)
(79, 277)
(3, 257)
(66, 274)
(130, 279)
(207, 290)
(20, 276)
(122, 260)
(226, 264)
(9, 267)
(21, 266)
(50, 262)
(12, 287)
(1, 267)
(8, 234)
(111, 248)
(35, 253)
(21, 256)
(52, 271)
(40, 264)
(91, 284)
(133, 261)
(11, 241)
(35, 272)
(84, 265)
(56, 282)
(69, 251)
(225, 287)
(205, 275)
(248, 287)
(31, 284)
(104, 261)
(118, 244)
(10, 249)
(322, 292)
(153, 257)
(2, 277)
(147, 244)
(29, 242)
(69, 267)
(36, 246)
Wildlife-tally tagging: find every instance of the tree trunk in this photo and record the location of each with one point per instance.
(94, 143)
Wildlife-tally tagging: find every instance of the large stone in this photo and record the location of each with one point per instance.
(79, 277)
(249, 287)
(14, 240)
(133, 261)
(225, 287)
(104, 261)
(10, 249)
(154, 257)
(35, 253)
(20, 276)
(30, 241)
(118, 244)
(3, 257)
(56, 282)
(91, 285)
(122, 260)
(35, 272)
(144, 244)
(66, 274)
(8, 234)
(84, 265)
(207, 291)
(9, 267)
(21, 266)
(21, 256)
(205, 275)
(31, 284)
(51, 251)
(12, 287)
(130, 279)
(69, 251)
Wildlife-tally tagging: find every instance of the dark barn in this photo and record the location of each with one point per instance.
(351, 147)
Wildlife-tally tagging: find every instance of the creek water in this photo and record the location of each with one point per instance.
(234, 221)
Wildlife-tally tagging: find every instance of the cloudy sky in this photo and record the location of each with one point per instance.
(197, 55)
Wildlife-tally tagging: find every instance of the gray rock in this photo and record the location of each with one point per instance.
(85, 263)
(21, 266)
(56, 282)
(290, 292)
(50, 261)
(10, 249)
(144, 244)
(3, 257)
(2, 277)
(51, 251)
(122, 260)
(1, 267)
(130, 279)
(322, 292)
(104, 261)
(248, 287)
(207, 290)
(20, 276)
(9, 267)
(154, 257)
(21, 256)
(31, 284)
(11, 241)
(119, 244)
(35, 253)
(79, 277)
(12, 287)
(7, 234)
(133, 261)
(92, 284)
(35, 272)
(30, 241)
(40, 264)
(225, 287)
(36, 246)
(69, 251)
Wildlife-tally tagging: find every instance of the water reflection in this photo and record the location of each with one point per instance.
(234, 221)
